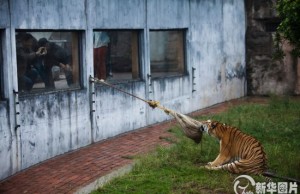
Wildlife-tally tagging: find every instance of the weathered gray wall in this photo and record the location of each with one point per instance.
(167, 14)
(5, 142)
(57, 122)
(218, 50)
(53, 124)
(118, 113)
(4, 13)
(48, 14)
(117, 14)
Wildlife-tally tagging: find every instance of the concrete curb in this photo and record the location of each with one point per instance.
(100, 182)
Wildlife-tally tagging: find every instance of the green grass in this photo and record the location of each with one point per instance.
(178, 169)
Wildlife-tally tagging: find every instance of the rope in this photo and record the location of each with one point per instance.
(190, 126)
(151, 103)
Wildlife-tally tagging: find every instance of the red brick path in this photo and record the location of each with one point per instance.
(72, 171)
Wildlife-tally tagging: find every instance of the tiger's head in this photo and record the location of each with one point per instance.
(213, 128)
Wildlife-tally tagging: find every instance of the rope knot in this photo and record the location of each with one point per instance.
(153, 104)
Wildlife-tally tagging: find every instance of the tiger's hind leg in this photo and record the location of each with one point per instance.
(230, 167)
(246, 166)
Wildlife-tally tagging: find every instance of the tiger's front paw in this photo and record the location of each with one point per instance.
(208, 166)
(213, 167)
(214, 164)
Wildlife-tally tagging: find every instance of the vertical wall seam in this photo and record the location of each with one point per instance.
(16, 133)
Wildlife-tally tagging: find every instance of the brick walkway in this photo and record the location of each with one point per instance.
(73, 171)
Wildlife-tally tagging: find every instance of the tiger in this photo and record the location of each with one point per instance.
(239, 152)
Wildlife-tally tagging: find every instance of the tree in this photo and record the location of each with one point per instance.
(289, 28)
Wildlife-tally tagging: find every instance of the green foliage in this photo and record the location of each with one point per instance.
(289, 13)
(278, 52)
(179, 169)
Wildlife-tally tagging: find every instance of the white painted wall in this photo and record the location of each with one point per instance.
(57, 122)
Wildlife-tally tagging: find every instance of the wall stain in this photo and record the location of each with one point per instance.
(40, 113)
(32, 143)
(238, 72)
(219, 78)
(32, 146)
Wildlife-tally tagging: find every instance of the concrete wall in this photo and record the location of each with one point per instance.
(56, 122)
(217, 50)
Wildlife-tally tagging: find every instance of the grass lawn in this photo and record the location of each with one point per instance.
(178, 169)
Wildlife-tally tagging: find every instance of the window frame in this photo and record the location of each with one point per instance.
(80, 46)
(139, 36)
(184, 52)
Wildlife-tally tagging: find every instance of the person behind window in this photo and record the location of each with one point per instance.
(101, 41)
(28, 56)
(56, 56)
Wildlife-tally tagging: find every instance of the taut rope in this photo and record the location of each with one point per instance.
(151, 103)
(190, 126)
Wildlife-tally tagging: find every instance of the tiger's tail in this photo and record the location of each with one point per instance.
(270, 174)
(254, 167)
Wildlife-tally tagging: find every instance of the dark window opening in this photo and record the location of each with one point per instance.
(167, 52)
(271, 26)
(47, 60)
(116, 54)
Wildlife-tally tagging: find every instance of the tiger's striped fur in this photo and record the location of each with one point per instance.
(239, 153)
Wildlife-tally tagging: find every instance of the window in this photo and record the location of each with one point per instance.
(271, 26)
(47, 60)
(167, 52)
(116, 54)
